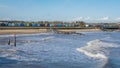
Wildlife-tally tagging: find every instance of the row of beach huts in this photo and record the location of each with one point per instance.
(26, 24)
(57, 24)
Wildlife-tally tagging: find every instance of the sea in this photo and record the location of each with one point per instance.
(51, 50)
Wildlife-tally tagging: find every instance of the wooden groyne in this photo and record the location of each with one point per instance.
(64, 32)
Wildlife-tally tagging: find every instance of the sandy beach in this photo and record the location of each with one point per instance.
(31, 31)
(22, 31)
(80, 30)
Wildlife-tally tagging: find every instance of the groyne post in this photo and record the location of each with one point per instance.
(14, 39)
(9, 42)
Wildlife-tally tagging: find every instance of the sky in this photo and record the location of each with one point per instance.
(61, 10)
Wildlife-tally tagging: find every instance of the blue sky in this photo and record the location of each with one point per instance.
(61, 10)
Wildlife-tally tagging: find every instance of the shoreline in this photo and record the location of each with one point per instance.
(33, 31)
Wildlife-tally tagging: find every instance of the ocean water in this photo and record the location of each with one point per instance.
(49, 50)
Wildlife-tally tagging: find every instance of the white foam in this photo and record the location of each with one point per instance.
(17, 55)
(101, 43)
(98, 55)
(103, 60)
(98, 49)
(48, 38)
(11, 35)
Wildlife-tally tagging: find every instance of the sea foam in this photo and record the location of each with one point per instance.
(98, 49)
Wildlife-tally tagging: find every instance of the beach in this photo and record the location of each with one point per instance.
(80, 30)
(22, 31)
(32, 31)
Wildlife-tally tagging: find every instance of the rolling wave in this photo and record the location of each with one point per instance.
(98, 49)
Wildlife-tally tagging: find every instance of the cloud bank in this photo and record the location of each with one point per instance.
(101, 19)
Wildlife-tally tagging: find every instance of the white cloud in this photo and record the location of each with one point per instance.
(78, 18)
(8, 19)
(87, 18)
(104, 18)
(81, 18)
(117, 19)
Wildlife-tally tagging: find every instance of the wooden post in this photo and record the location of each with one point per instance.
(15, 40)
(8, 41)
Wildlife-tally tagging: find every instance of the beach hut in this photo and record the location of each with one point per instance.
(17, 24)
(23, 24)
(69, 25)
(2, 24)
(42, 25)
(51, 25)
(46, 24)
(6, 24)
(28, 24)
(65, 25)
(58, 25)
(34, 24)
(11, 24)
(38, 25)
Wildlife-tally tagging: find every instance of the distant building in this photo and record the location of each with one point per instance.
(118, 24)
(87, 25)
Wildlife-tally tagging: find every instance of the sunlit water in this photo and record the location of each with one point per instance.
(49, 50)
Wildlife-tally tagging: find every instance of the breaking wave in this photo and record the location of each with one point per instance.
(98, 49)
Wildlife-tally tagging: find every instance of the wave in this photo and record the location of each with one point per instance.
(48, 38)
(95, 55)
(28, 41)
(15, 54)
(11, 35)
(98, 49)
